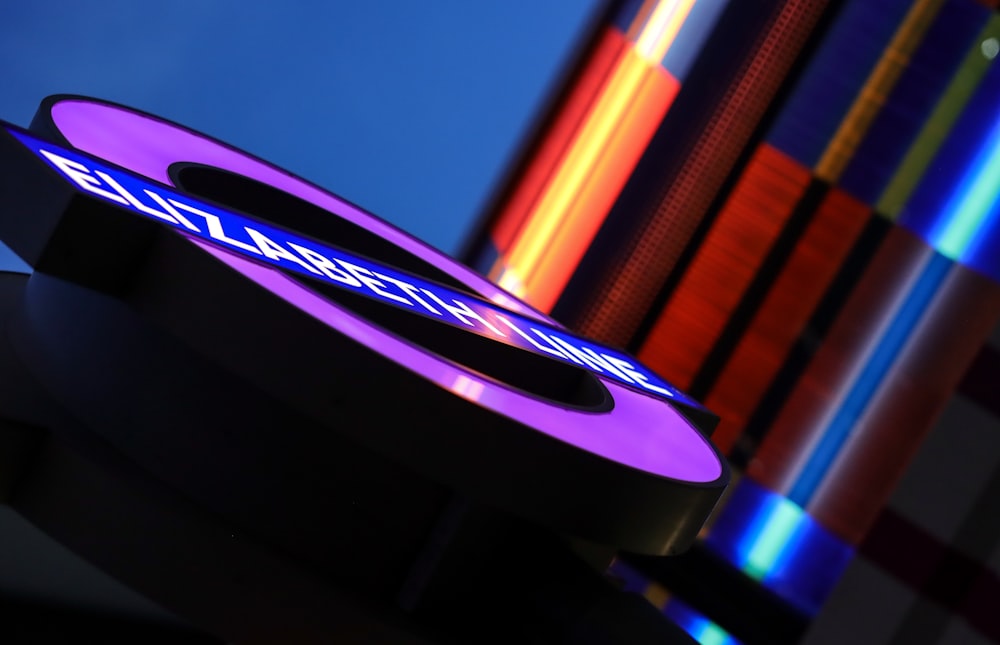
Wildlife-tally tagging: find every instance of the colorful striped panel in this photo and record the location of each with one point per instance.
(949, 106)
(799, 553)
(840, 150)
(557, 137)
(835, 75)
(734, 403)
(956, 209)
(783, 315)
(595, 169)
(733, 251)
(583, 163)
(877, 86)
(911, 102)
(929, 569)
(872, 391)
(819, 393)
(912, 394)
(871, 369)
(616, 306)
(774, 541)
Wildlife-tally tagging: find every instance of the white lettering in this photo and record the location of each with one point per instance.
(606, 364)
(549, 341)
(590, 358)
(130, 198)
(275, 251)
(461, 311)
(328, 268)
(584, 359)
(172, 211)
(409, 290)
(80, 175)
(551, 350)
(641, 379)
(215, 227)
(95, 181)
(366, 276)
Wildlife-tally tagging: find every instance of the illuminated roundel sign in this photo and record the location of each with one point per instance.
(347, 321)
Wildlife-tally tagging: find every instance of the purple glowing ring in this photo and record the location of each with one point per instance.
(640, 432)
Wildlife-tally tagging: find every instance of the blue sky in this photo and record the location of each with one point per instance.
(410, 109)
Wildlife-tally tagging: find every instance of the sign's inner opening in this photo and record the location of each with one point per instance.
(534, 374)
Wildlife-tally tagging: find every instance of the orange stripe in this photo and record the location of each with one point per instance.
(580, 99)
(783, 315)
(585, 181)
(568, 181)
(597, 195)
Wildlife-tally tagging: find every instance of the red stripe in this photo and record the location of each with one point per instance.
(784, 313)
(725, 264)
(621, 299)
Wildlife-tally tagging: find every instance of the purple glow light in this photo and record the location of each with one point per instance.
(148, 146)
(641, 431)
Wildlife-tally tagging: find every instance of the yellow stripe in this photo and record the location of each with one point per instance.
(938, 125)
(875, 90)
(575, 169)
(535, 240)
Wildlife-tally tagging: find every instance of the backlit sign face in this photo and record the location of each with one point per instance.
(94, 181)
(286, 250)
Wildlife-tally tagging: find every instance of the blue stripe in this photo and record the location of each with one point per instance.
(968, 159)
(868, 382)
(802, 565)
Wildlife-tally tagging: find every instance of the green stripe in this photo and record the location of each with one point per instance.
(712, 634)
(768, 546)
(936, 128)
